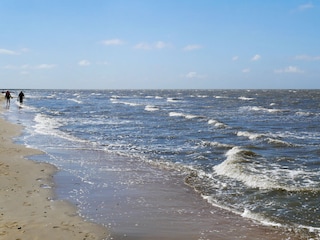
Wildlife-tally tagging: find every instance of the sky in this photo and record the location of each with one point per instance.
(153, 44)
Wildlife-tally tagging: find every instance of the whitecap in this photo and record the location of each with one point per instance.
(217, 123)
(257, 217)
(173, 100)
(238, 165)
(187, 116)
(251, 136)
(49, 126)
(217, 144)
(245, 98)
(262, 109)
(74, 100)
(176, 114)
(245, 166)
(279, 143)
(151, 108)
(218, 97)
(191, 116)
(125, 103)
(304, 114)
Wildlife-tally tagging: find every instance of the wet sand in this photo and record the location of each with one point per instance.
(27, 210)
(142, 202)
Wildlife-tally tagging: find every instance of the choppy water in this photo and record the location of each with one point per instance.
(253, 152)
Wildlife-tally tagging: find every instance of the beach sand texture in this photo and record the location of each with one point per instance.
(27, 208)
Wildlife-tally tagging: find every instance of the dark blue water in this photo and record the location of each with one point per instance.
(252, 152)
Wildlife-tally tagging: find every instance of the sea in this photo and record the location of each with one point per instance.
(255, 153)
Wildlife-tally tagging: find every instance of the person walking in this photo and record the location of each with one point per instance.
(8, 97)
(20, 97)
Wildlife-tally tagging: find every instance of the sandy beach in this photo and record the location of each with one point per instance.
(27, 206)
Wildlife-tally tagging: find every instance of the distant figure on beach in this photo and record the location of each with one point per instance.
(20, 97)
(8, 97)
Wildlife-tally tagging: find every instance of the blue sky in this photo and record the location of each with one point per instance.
(151, 44)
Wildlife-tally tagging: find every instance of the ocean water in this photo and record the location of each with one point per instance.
(252, 152)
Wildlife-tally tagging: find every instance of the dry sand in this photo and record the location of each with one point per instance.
(27, 210)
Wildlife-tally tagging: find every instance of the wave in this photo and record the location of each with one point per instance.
(245, 98)
(49, 126)
(264, 137)
(262, 109)
(96, 94)
(130, 104)
(218, 97)
(151, 108)
(304, 114)
(176, 114)
(251, 136)
(173, 100)
(74, 100)
(202, 96)
(258, 217)
(125, 103)
(217, 123)
(52, 96)
(187, 116)
(246, 166)
(239, 166)
(217, 145)
(279, 143)
(113, 97)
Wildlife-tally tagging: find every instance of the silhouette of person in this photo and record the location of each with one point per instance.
(20, 97)
(8, 97)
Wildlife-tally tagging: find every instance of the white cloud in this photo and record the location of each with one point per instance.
(192, 47)
(289, 69)
(235, 58)
(194, 75)
(160, 45)
(307, 58)
(84, 63)
(191, 75)
(305, 6)
(45, 66)
(256, 57)
(28, 67)
(246, 70)
(143, 46)
(149, 46)
(8, 52)
(111, 42)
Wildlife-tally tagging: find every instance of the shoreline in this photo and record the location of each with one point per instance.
(159, 208)
(147, 202)
(27, 208)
